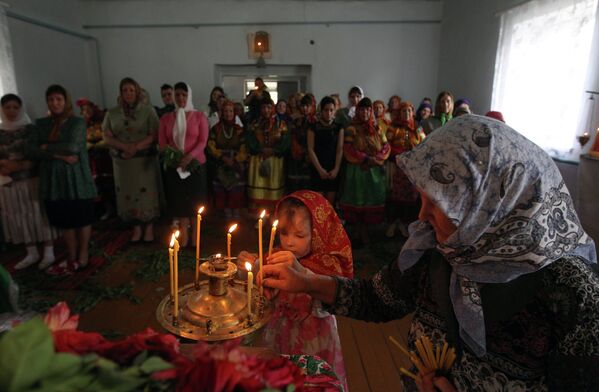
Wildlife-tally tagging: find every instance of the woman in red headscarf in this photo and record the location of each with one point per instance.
(402, 199)
(309, 231)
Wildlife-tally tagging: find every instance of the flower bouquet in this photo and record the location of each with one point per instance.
(171, 157)
(50, 354)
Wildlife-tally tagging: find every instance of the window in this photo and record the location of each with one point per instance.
(542, 58)
(7, 72)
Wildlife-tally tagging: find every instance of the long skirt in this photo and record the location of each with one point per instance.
(184, 196)
(229, 184)
(138, 188)
(266, 182)
(24, 219)
(70, 214)
(364, 192)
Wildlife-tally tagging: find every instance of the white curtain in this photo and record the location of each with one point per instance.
(8, 83)
(541, 68)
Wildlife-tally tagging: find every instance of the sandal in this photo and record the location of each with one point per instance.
(64, 268)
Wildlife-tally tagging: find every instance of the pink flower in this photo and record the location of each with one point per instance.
(58, 319)
(77, 342)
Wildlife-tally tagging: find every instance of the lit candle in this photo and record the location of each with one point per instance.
(273, 232)
(260, 254)
(176, 279)
(587, 134)
(198, 230)
(170, 260)
(248, 266)
(231, 230)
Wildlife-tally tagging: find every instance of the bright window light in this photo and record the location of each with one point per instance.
(542, 59)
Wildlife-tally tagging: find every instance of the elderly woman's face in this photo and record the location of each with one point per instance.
(429, 212)
(11, 110)
(228, 113)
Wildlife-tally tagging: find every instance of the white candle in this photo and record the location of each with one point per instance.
(176, 279)
(273, 232)
(198, 230)
(248, 266)
(260, 254)
(231, 230)
(170, 261)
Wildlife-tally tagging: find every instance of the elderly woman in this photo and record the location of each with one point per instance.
(24, 220)
(130, 129)
(185, 131)
(66, 185)
(498, 266)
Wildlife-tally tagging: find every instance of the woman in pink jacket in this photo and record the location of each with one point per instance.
(182, 138)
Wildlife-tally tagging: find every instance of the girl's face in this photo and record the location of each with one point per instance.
(129, 94)
(445, 104)
(354, 98)
(167, 96)
(86, 112)
(394, 104)
(304, 110)
(364, 113)
(296, 235)
(266, 110)
(429, 212)
(425, 113)
(11, 110)
(180, 97)
(216, 94)
(328, 112)
(281, 108)
(228, 113)
(56, 103)
(379, 110)
(406, 113)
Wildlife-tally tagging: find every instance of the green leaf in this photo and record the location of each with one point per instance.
(25, 355)
(155, 364)
(141, 358)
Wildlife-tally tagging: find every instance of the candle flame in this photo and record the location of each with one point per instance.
(232, 228)
(248, 266)
(262, 214)
(177, 233)
(200, 210)
(218, 255)
(275, 223)
(172, 241)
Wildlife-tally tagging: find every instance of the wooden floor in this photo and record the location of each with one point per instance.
(372, 363)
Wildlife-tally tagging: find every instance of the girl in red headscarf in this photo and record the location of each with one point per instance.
(311, 232)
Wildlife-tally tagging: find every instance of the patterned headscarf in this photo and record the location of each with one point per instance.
(330, 248)
(513, 212)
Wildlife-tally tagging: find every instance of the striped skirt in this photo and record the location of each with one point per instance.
(23, 217)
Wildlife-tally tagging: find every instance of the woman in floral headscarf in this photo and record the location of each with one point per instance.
(364, 188)
(402, 198)
(226, 145)
(130, 129)
(498, 266)
(309, 231)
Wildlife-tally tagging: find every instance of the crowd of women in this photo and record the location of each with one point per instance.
(145, 161)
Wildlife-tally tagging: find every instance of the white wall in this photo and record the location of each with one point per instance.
(44, 55)
(387, 47)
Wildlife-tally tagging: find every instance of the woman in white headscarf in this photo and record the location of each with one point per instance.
(498, 266)
(185, 131)
(23, 218)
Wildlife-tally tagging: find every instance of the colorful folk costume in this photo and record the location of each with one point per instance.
(226, 146)
(185, 130)
(402, 198)
(364, 188)
(299, 325)
(266, 178)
